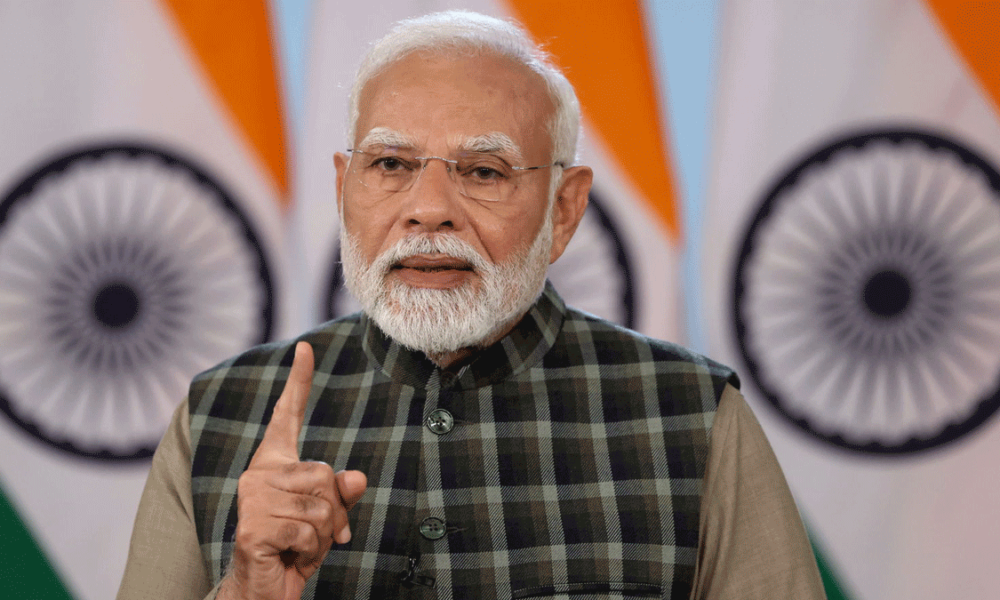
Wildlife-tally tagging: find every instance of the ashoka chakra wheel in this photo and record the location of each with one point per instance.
(124, 270)
(867, 296)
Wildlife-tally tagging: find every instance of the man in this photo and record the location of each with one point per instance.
(468, 435)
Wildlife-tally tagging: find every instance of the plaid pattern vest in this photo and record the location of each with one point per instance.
(566, 460)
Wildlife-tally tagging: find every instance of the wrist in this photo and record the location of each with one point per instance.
(230, 589)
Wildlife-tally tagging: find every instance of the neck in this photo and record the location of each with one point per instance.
(454, 360)
(461, 357)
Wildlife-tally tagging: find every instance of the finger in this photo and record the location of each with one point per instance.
(304, 490)
(281, 438)
(317, 512)
(301, 545)
(295, 542)
(297, 528)
(350, 487)
(315, 478)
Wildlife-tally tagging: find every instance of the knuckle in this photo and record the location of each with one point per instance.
(324, 511)
(249, 481)
(291, 468)
(304, 504)
(313, 508)
(324, 475)
(288, 533)
(244, 489)
(318, 468)
(244, 536)
(319, 475)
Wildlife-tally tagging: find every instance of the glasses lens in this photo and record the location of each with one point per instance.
(385, 169)
(478, 176)
(484, 177)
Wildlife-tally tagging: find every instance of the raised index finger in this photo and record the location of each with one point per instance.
(281, 438)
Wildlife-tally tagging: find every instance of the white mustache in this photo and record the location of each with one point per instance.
(439, 243)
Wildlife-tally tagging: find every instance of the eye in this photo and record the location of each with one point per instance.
(484, 171)
(390, 163)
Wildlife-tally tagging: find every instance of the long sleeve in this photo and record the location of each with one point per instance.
(752, 544)
(164, 559)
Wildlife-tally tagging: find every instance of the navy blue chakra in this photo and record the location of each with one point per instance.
(867, 293)
(124, 270)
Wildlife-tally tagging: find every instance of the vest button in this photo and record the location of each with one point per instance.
(432, 528)
(440, 421)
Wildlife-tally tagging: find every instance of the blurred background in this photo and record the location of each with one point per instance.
(806, 190)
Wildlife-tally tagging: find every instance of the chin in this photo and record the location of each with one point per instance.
(435, 320)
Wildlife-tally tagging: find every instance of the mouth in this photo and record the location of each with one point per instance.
(433, 271)
(432, 264)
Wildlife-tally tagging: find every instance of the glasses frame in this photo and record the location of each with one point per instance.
(451, 165)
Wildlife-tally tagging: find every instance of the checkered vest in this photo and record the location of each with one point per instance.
(567, 459)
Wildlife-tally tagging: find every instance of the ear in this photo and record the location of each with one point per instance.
(570, 203)
(340, 161)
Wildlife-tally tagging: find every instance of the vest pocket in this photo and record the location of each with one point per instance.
(592, 589)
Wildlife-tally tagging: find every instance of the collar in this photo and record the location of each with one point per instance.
(521, 348)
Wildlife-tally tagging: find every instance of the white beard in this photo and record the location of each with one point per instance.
(442, 321)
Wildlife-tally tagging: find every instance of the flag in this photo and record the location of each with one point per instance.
(142, 186)
(852, 275)
(623, 263)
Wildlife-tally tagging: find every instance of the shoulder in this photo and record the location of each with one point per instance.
(608, 344)
(591, 340)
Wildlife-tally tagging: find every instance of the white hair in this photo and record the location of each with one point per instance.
(459, 30)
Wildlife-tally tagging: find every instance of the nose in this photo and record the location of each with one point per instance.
(433, 202)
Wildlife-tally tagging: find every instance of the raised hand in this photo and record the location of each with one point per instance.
(290, 512)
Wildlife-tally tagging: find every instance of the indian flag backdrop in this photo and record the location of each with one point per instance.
(623, 263)
(853, 276)
(142, 180)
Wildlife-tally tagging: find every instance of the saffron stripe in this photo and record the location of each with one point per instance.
(233, 42)
(972, 27)
(602, 48)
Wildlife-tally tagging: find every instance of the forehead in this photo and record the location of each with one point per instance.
(438, 100)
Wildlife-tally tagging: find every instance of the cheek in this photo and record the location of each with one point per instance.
(504, 238)
(369, 228)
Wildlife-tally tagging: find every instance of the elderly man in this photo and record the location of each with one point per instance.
(467, 435)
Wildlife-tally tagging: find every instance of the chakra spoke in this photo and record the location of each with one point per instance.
(903, 297)
(115, 303)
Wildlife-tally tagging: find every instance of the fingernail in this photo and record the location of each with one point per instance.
(344, 534)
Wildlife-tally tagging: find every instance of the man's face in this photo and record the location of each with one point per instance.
(432, 105)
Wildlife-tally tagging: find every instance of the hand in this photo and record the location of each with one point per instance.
(289, 512)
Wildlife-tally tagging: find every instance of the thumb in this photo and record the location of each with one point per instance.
(351, 485)
(281, 438)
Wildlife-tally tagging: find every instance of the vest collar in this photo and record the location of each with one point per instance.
(521, 348)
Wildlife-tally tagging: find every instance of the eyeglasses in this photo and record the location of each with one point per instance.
(476, 175)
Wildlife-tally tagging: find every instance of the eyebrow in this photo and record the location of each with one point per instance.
(491, 143)
(383, 136)
(488, 143)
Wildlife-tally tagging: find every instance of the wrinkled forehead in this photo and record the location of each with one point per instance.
(476, 102)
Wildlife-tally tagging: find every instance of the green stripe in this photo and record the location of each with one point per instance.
(25, 573)
(834, 589)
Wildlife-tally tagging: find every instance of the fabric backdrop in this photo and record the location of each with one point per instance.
(852, 275)
(142, 179)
